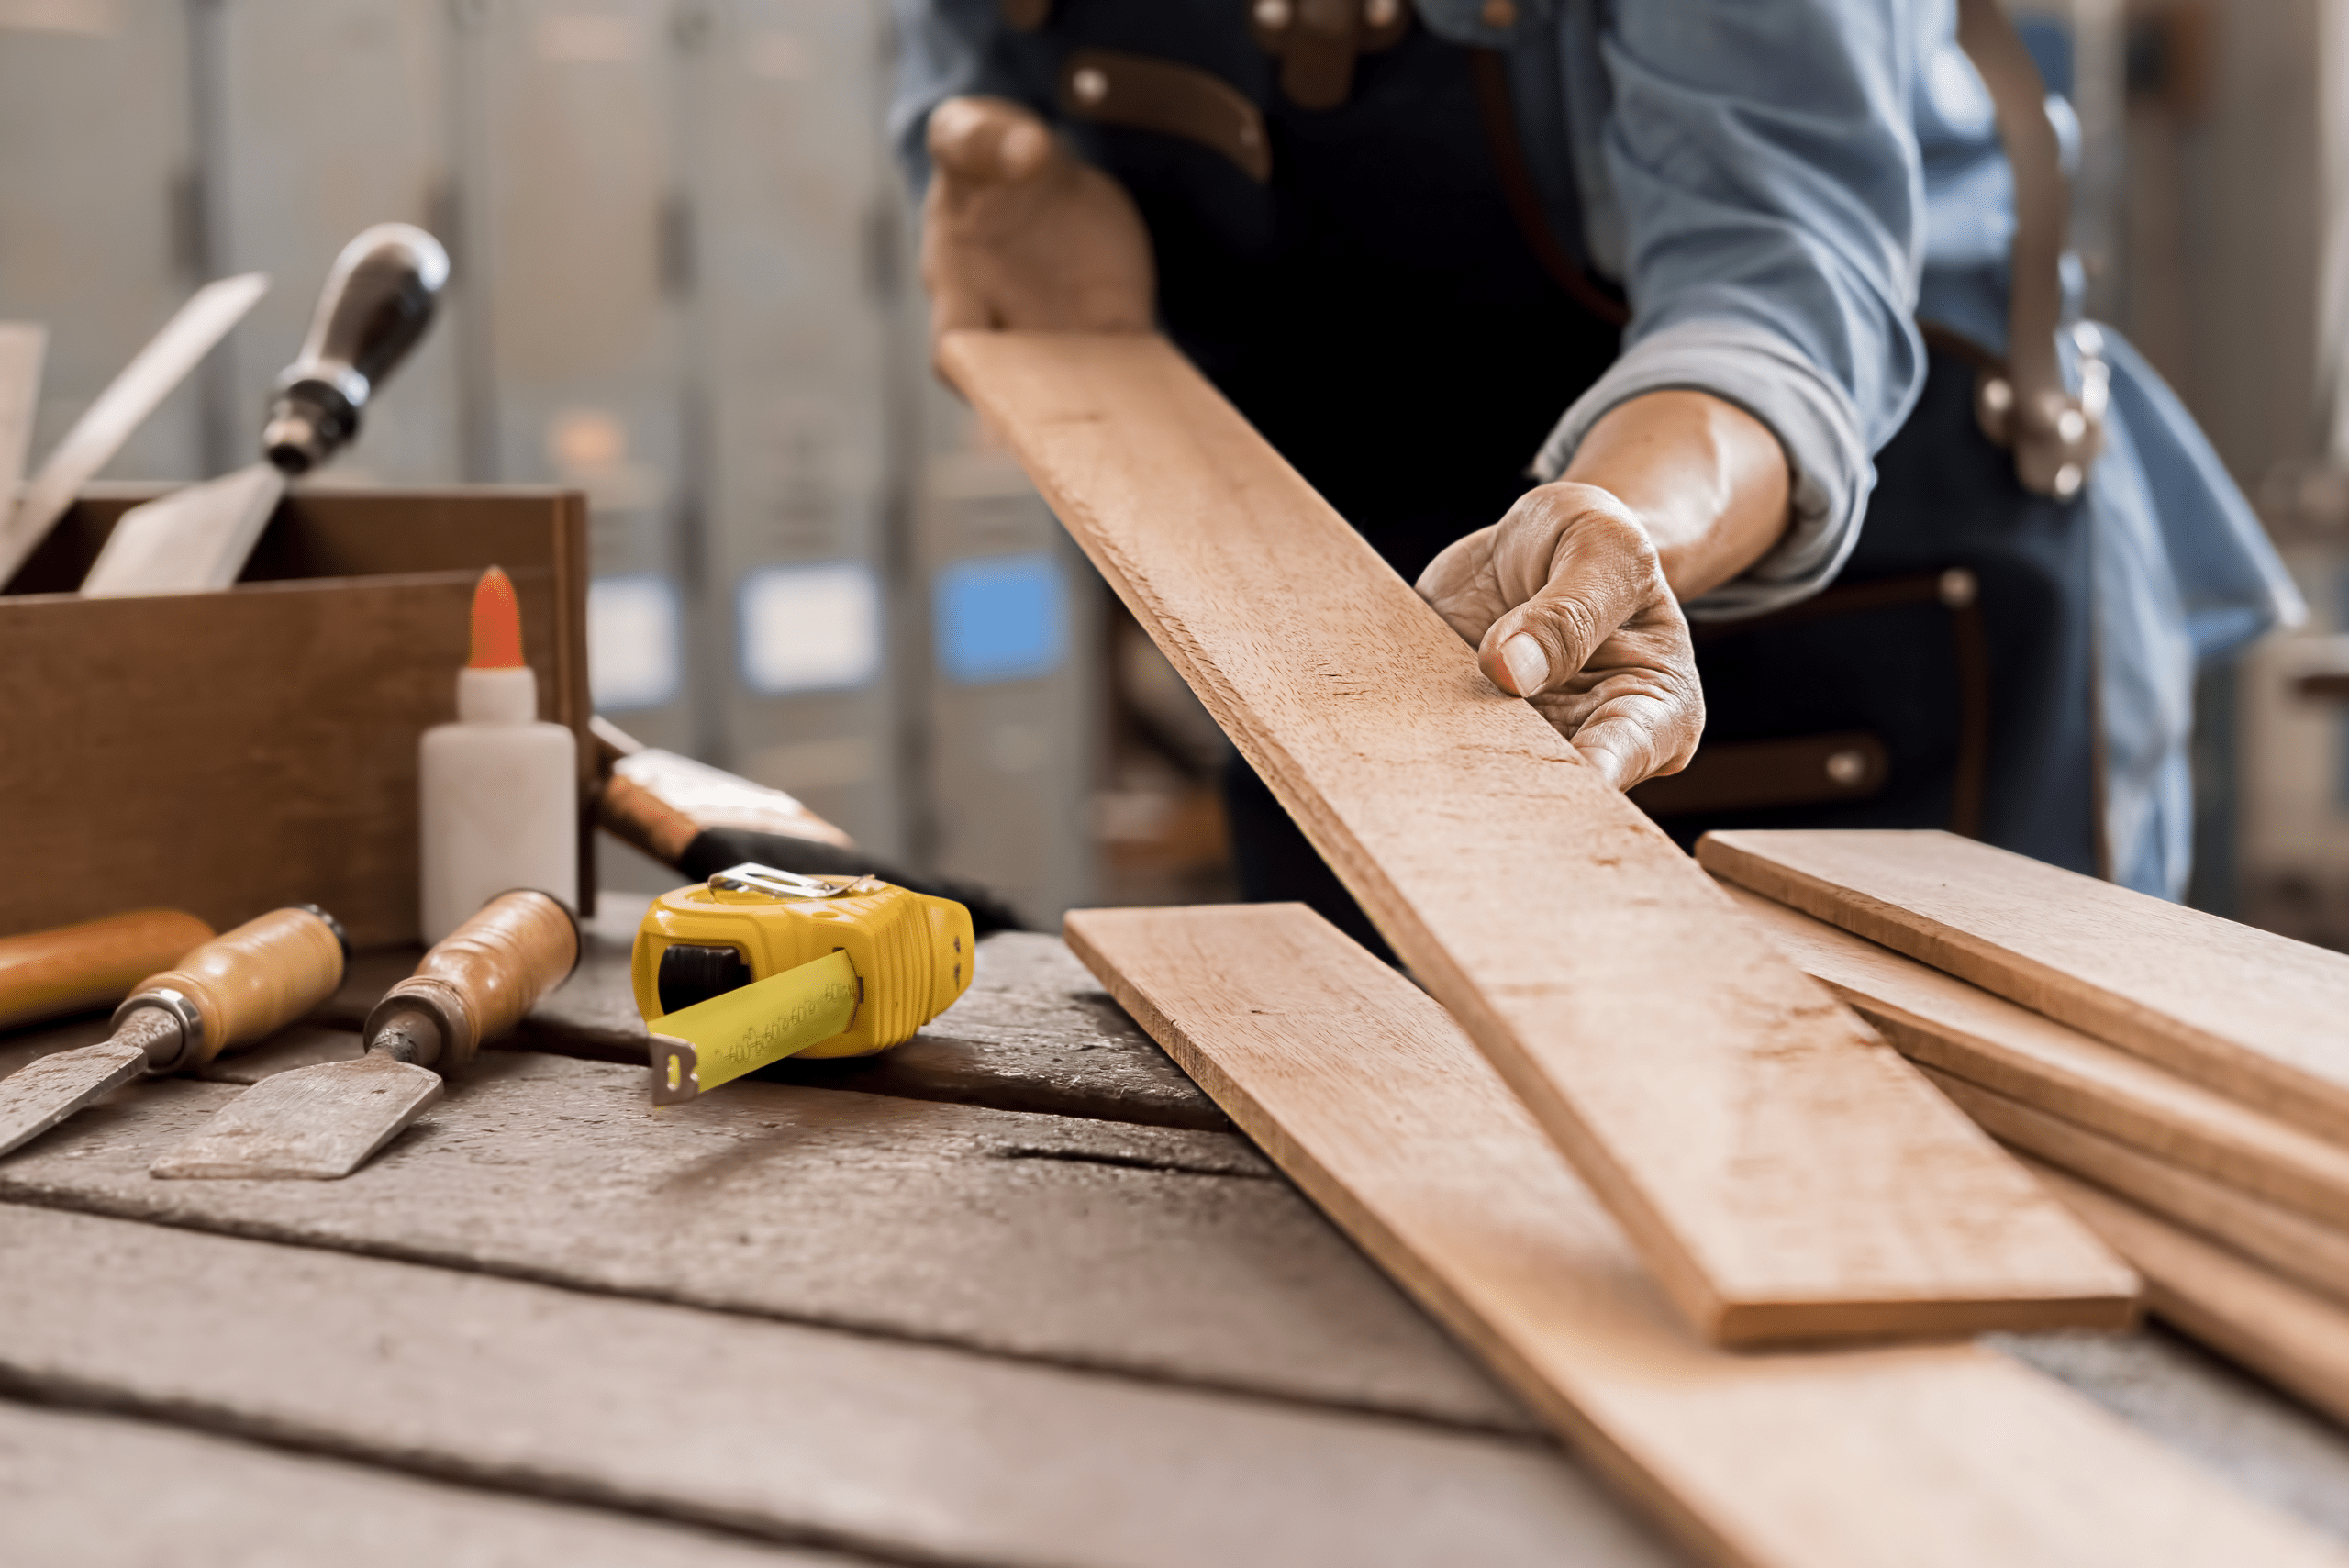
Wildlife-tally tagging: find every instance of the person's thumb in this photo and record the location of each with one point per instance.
(988, 141)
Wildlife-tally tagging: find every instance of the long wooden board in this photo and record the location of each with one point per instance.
(910, 1453)
(2315, 1254)
(1787, 1176)
(200, 1500)
(1943, 1022)
(2256, 1017)
(2296, 1339)
(1150, 1251)
(1381, 1109)
(22, 347)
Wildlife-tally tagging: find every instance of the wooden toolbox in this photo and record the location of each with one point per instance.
(228, 752)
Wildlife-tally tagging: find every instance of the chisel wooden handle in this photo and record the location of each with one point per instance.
(249, 983)
(640, 818)
(479, 980)
(46, 974)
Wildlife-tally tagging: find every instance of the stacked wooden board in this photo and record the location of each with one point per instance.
(1784, 1176)
(2186, 1077)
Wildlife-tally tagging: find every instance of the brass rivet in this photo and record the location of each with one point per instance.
(1272, 14)
(1379, 13)
(1847, 768)
(1090, 85)
(1499, 14)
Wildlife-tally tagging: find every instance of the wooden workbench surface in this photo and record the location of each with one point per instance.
(1015, 1293)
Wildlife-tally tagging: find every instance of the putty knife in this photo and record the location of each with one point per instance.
(322, 1123)
(377, 302)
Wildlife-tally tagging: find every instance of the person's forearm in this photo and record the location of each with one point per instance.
(1707, 479)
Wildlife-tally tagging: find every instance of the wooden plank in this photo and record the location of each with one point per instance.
(83, 1491)
(1945, 1023)
(2314, 1254)
(1378, 1106)
(1787, 1176)
(908, 1452)
(2254, 1016)
(2296, 1338)
(1152, 1251)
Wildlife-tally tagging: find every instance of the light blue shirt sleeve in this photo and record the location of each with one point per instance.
(1764, 177)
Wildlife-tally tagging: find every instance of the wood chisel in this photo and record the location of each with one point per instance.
(75, 969)
(699, 820)
(231, 991)
(322, 1123)
(757, 965)
(377, 302)
(120, 409)
(22, 346)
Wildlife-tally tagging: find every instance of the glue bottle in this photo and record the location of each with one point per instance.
(500, 803)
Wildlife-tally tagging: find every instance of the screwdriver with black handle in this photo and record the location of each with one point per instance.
(233, 990)
(321, 1123)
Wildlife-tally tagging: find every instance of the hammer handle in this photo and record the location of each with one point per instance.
(74, 968)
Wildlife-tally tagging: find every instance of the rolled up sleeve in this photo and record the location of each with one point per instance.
(1763, 160)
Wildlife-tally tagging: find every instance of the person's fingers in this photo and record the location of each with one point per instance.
(1602, 570)
(1459, 583)
(985, 141)
(1635, 723)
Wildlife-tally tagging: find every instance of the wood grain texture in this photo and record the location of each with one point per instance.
(230, 753)
(1785, 1175)
(208, 1501)
(2310, 1251)
(1149, 1251)
(1378, 1106)
(2295, 1338)
(910, 1452)
(2254, 1016)
(1945, 1023)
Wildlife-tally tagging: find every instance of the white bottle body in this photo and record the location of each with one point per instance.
(500, 801)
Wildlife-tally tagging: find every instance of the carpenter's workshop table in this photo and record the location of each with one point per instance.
(1014, 1293)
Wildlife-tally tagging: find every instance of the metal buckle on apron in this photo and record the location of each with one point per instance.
(1317, 41)
(2055, 435)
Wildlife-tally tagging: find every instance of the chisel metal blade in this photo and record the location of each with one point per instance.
(190, 541)
(41, 1093)
(314, 1124)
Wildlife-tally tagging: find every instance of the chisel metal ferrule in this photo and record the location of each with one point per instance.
(180, 1009)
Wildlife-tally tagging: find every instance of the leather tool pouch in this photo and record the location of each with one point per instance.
(1130, 90)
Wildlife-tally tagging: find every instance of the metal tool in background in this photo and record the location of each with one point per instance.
(230, 991)
(151, 375)
(757, 965)
(322, 1123)
(377, 302)
(23, 345)
(699, 820)
(80, 968)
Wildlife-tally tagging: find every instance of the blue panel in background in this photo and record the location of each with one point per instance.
(1003, 618)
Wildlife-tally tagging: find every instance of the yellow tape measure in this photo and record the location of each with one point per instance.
(758, 964)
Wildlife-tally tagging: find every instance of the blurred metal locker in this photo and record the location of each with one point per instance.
(330, 118)
(793, 398)
(97, 180)
(570, 326)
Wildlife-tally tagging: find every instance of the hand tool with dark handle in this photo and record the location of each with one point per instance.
(231, 991)
(322, 1123)
(377, 302)
(74, 968)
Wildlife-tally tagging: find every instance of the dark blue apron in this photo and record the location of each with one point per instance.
(1375, 308)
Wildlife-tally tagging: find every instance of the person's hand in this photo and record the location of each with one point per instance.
(1566, 604)
(1018, 233)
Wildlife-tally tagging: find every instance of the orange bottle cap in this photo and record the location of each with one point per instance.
(497, 623)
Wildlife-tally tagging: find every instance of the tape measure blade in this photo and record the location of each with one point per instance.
(766, 1021)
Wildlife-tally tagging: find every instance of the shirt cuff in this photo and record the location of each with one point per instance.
(1811, 417)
